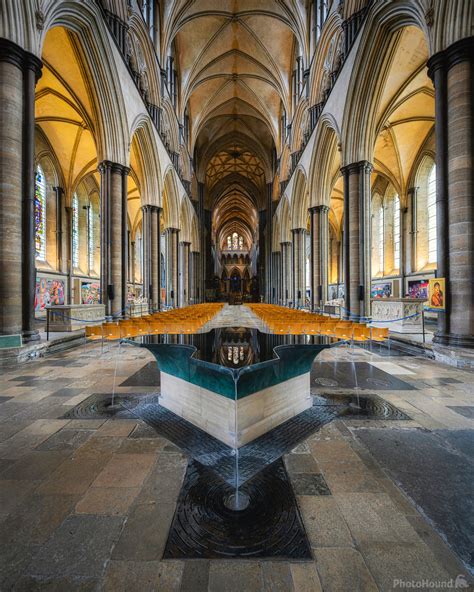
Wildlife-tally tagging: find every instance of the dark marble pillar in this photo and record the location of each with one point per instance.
(194, 277)
(154, 257)
(357, 272)
(184, 249)
(172, 268)
(286, 272)
(412, 225)
(31, 73)
(452, 72)
(319, 220)
(268, 244)
(146, 254)
(113, 239)
(19, 72)
(59, 192)
(298, 264)
(158, 212)
(11, 190)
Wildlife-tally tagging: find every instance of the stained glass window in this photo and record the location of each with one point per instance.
(235, 242)
(40, 214)
(432, 242)
(380, 238)
(75, 230)
(90, 222)
(396, 232)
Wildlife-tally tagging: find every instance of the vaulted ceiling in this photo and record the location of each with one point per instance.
(234, 60)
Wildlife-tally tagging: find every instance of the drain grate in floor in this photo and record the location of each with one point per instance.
(204, 528)
(99, 406)
(366, 406)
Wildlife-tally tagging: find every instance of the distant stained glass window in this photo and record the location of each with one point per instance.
(75, 230)
(40, 214)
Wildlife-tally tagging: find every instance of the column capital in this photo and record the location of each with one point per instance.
(461, 51)
(285, 243)
(14, 54)
(171, 230)
(58, 190)
(185, 243)
(104, 166)
(298, 230)
(321, 209)
(363, 166)
(114, 167)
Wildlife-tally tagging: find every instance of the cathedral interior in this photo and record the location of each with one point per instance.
(236, 295)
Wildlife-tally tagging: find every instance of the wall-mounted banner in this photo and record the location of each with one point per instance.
(437, 294)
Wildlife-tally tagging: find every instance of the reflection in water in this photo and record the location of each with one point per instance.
(234, 347)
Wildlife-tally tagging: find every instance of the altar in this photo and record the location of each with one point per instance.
(404, 309)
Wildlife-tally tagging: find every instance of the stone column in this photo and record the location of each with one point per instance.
(357, 272)
(132, 261)
(262, 253)
(277, 277)
(172, 284)
(154, 257)
(412, 222)
(452, 74)
(11, 190)
(286, 272)
(194, 277)
(158, 212)
(404, 247)
(122, 272)
(319, 219)
(184, 248)
(268, 244)
(59, 192)
(31, 73)
(299, 266)
(113, 239)
(19, 72)
(201, 280)
(146, 253)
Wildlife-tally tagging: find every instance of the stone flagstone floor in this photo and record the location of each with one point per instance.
(86, 504)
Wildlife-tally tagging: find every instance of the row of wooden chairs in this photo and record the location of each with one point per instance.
(284, 321)
(186, 320)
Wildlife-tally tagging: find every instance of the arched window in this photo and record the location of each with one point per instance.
(396, 233)
(235, 242)
(378, 235)
(75, 230)
(91, 237)
(40, 214)
(424, 206)
(431, 201)
(380, 239)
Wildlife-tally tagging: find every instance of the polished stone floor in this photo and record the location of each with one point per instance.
(87, 504)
